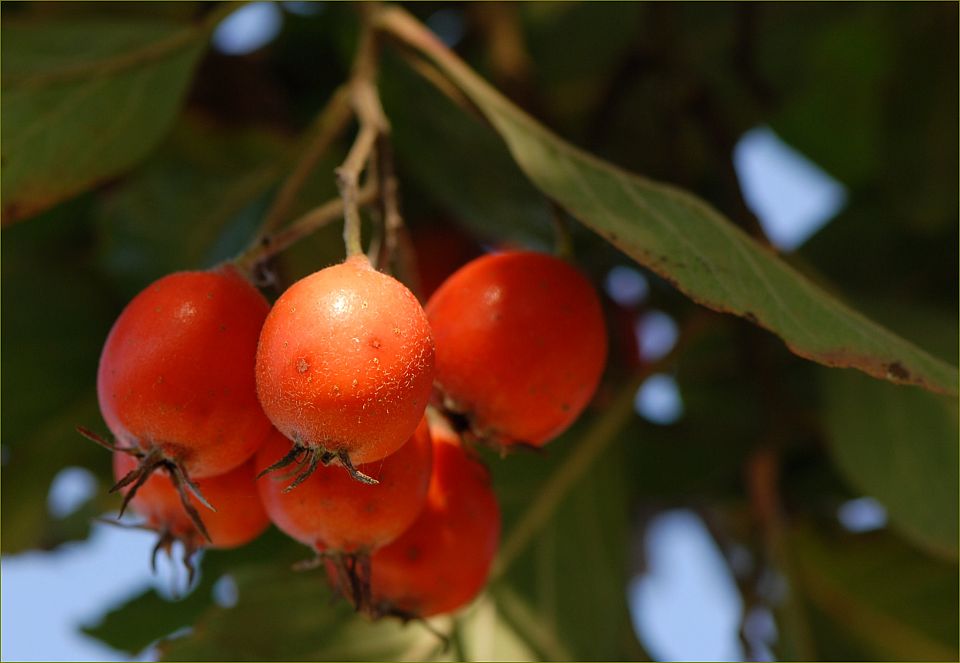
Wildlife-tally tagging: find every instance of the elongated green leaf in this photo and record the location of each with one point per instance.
(686, 241)
(85, 99)
(899, 446)
(883, 596)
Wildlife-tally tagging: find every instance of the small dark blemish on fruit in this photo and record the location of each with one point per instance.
(413, 553)
(565, 407)
(375, 343)
(302, 365)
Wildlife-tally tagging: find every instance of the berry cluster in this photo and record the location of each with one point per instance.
(340, 413)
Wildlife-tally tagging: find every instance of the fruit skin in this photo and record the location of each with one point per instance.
(332, 511)
(521, 345)
(442, 561)
(346, 362)
(239, 517)
(176, 372)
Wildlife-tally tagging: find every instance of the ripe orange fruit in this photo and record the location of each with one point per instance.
(442, 561)
(176, 376)
(521, 345)
(345, 366)
(331, 511)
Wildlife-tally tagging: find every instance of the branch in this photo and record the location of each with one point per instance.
(373, 123)
(318, 217)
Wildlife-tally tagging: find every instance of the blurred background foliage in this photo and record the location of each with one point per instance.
(767, 449)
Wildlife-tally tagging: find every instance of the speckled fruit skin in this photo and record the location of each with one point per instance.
(442, 561)
(177, 372)
(346, 362)
(239, 517)
(332, 511)
(521, 345)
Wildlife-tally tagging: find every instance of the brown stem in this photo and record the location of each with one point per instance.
(763, 473)
(366, 105)
(389, 200)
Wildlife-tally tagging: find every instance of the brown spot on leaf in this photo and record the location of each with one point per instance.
(896, 369)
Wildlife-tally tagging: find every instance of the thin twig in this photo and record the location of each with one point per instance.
(366, 104)
(304, 226)
(763, 476)
(390, 204)
(348, 178)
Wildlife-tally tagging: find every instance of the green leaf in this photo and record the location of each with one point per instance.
(146, 618)
(899, 446)
(880, 594)
(57, 314)
(178, 209)
(283, 615)
(687, 242)
(85, 99)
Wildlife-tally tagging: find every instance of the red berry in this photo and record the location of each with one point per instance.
(521, 345)
(333, 512)
(239, 517)
(176, 374)
(345, 365)
(442, 561)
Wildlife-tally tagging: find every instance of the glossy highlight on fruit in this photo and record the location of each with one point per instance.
(345, 365)
(442, 561)
(333, 512)
(521, 345)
